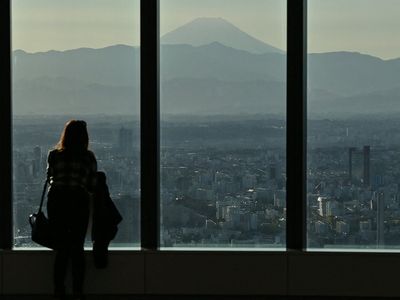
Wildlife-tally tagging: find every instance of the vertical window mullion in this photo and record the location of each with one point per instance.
(150, 142)
(296, 123)
(5, 129)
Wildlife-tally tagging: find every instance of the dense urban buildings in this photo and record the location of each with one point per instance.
(224, 187)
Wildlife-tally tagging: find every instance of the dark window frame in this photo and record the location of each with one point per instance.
(296, 120)
(150, 126)
(6, 235)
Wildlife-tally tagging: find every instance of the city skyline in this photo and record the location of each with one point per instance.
(219, 191)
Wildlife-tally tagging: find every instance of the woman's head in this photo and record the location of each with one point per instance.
(74, 136)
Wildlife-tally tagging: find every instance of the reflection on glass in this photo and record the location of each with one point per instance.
(223, 124)
(76, 60)
(353, 121)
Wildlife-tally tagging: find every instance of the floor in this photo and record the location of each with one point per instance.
(135, 297)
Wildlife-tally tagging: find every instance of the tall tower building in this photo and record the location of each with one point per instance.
(380, 219)
(351, 150)
(37, 161)
(272, 171)
(359, 165)
(125, 141)
(366, 169)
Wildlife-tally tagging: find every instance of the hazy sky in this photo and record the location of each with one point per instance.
(40, 25)
(367, 26)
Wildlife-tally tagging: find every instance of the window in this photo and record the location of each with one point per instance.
(353, 136)
(223, 123)
(352, 167)
(76, 60)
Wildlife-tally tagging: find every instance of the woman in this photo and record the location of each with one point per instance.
(71, 172)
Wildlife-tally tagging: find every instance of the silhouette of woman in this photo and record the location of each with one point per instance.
(71, 172)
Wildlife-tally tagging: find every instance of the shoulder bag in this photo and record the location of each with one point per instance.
(42, 233)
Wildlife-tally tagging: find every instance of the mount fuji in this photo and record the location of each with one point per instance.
(204, 31)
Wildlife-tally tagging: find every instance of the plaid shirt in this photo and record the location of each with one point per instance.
(72, 169)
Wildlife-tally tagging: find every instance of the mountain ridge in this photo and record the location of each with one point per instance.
(22, 51)
(205, 30)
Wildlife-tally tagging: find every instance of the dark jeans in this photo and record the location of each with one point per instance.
(68, 212)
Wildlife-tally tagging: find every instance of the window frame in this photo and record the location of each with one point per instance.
(6, 129)
(296, 120)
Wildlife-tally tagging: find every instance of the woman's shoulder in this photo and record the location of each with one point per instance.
(91, 154)
(90, 157)
(54, 153)
(63, 154)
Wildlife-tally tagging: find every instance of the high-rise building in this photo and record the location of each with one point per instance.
(37, 161)
(351, 150)
(125, 141)
(366, 169)
(380, 218)
(359, 165)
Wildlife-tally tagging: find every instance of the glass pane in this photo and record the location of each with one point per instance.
(223, 123)
(353, 121)
(76, 60)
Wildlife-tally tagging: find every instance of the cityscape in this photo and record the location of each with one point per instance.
(353, 183)
(223, 179)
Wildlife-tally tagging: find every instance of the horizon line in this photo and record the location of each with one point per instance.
(181, 44)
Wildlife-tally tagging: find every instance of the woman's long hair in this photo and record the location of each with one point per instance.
(74, 136)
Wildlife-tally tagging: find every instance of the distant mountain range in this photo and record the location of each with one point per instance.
(225, 72)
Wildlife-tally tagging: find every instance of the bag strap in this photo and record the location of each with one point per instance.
(43, 194)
